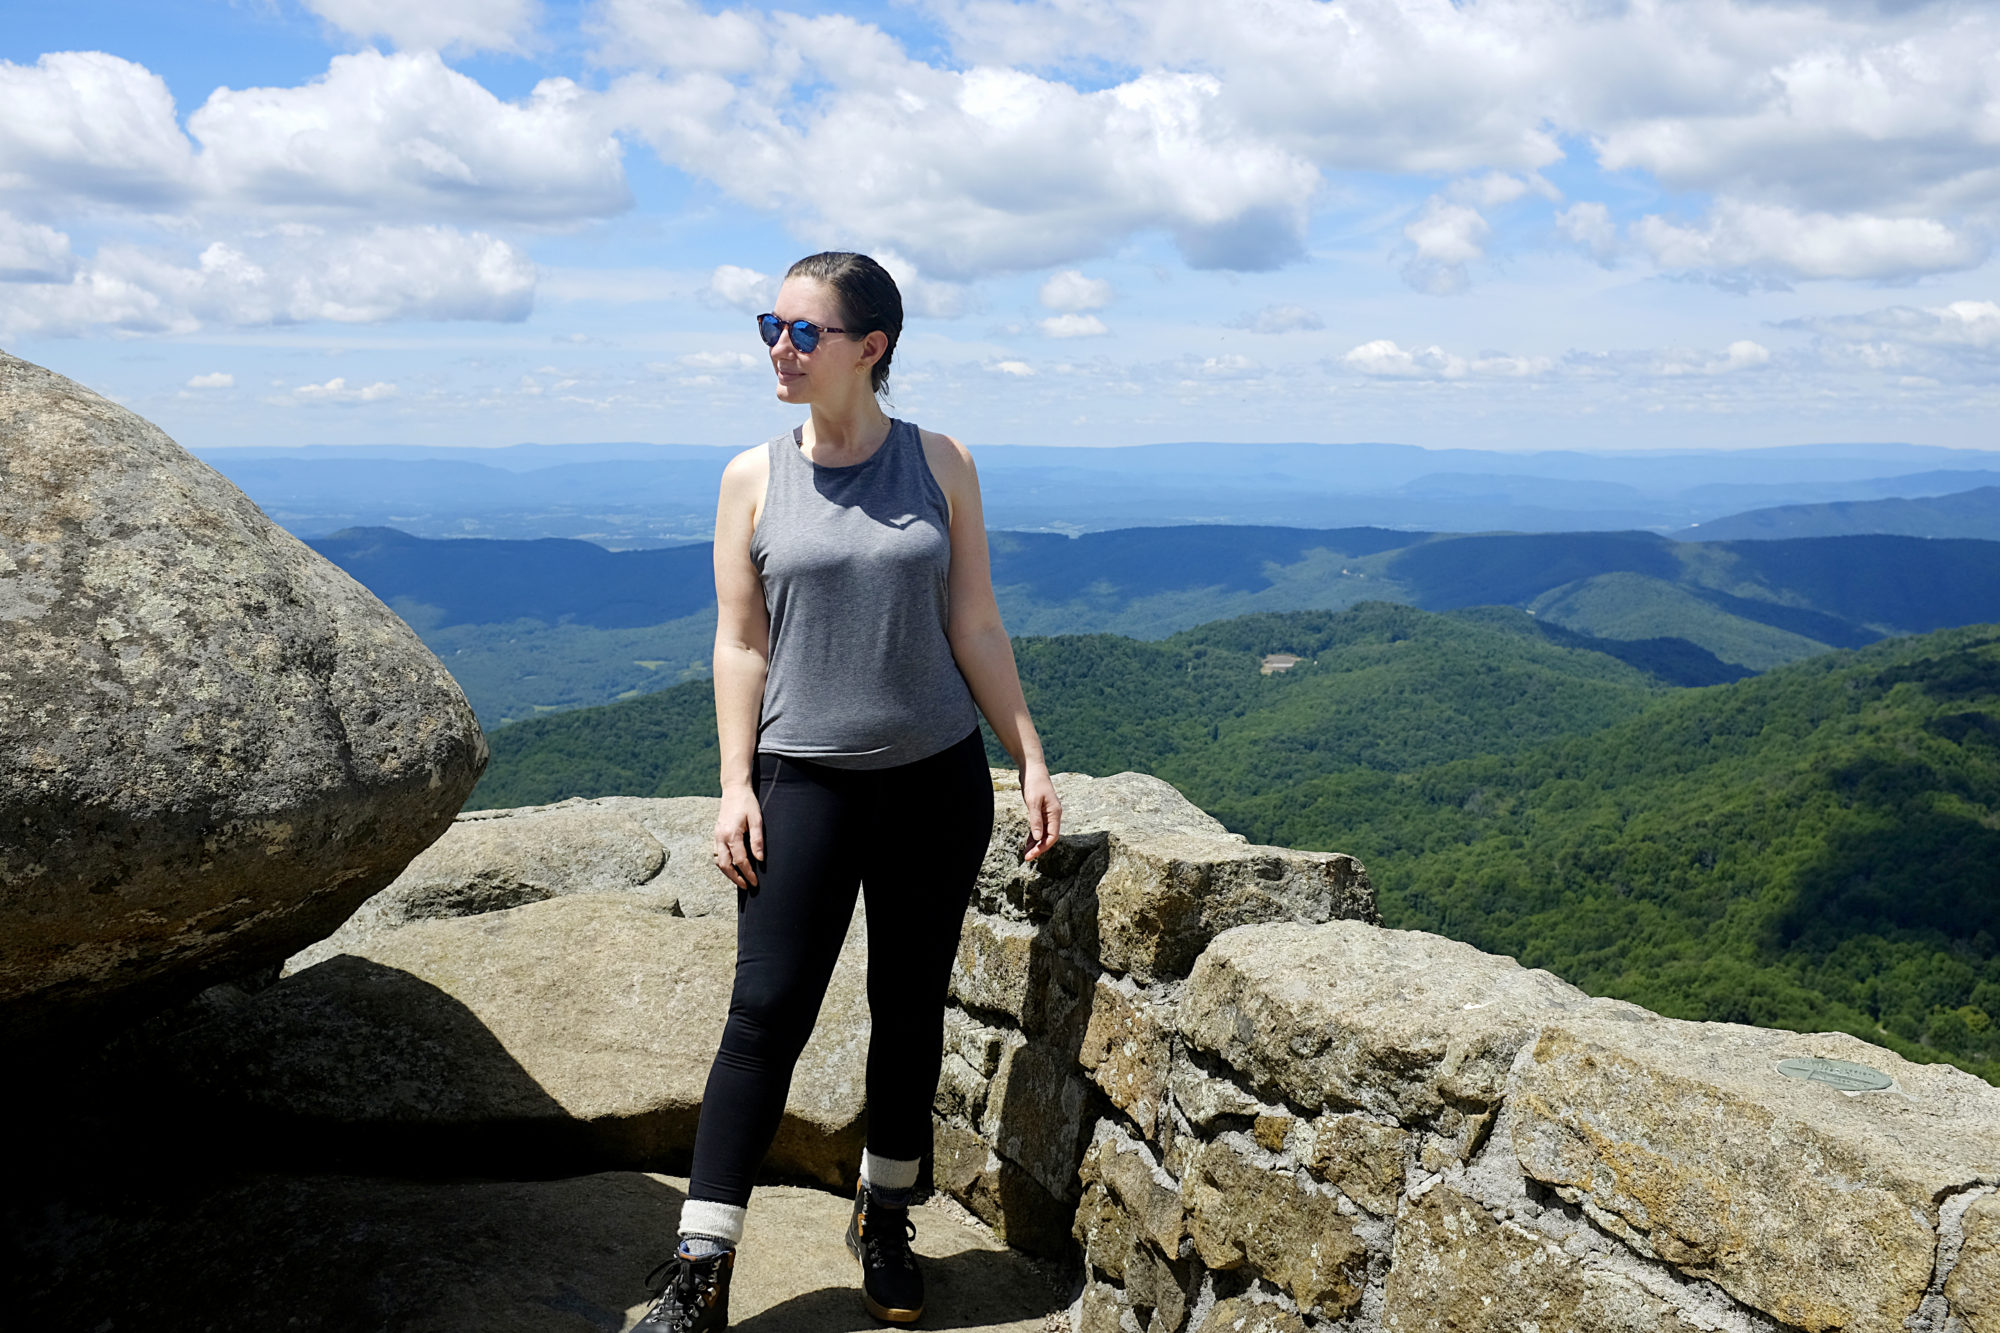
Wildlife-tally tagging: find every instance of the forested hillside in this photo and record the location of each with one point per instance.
(1817, 847)
(535, 626)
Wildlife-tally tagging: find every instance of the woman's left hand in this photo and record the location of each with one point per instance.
(1044, 811)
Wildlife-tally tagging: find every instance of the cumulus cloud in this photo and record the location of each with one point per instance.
(465, 25)
(1956, 341)
(742, 289)
(1590, 226)
(1446, 237)
(286, 277)
(1072, 326)
(30, 252)
(964, 171)
(1386, 359)
(83, 123)
(1738, 237)
(1070, 290)
(383, 135)
(220, 379)
(722, 361)
(1017, 369)
(336, 390)
(1279, 319)
(1740, 355)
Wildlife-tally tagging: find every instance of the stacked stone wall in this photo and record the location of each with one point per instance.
(1252, 1110)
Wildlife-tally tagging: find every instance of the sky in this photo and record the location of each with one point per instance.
(1511, 224)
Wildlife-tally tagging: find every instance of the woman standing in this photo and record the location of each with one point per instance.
(856, 632)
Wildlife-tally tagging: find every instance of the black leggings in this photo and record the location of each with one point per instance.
(912, 838)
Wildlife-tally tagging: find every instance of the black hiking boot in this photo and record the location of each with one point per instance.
(879, 1237)
(689, 1295)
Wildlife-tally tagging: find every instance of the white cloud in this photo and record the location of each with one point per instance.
(336, 390)
(923, 296)
(1070, 290)
(30, 252)
(1385, 359)
(678, 35)
(722, 361)
(1590, 226)
(1072, 326)
(466, 25)
(1447, 237)
(1740, 355)
(1228, 366)
(290, 276)
(377, 137)
(1496, 188)
(1958, 341)
(964, 171)
(742, 289)
(1017, 369)
(220, 379)
(1279, 319)
(84, 123)
(404, 134)
(1761, 238)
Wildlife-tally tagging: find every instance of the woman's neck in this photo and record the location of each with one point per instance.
(847, 434)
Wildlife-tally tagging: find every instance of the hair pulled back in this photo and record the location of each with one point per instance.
(869, 301)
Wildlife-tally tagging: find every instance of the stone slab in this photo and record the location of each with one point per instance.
(1816, 1206)
(344, 1253)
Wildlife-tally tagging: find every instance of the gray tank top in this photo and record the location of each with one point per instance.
(855, 562)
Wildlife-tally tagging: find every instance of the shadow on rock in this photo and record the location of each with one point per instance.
(341, 1253)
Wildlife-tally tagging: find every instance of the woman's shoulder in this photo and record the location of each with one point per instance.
(752, 462)
(743, 477)
(950, 461)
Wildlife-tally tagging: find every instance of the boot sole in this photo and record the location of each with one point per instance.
(887, 1314)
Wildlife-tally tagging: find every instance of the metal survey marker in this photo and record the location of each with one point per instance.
(1842, 1074)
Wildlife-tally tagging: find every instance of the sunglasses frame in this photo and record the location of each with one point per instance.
(805, 333)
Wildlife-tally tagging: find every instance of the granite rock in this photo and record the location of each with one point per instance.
(1259, 1216)
(572, 1032)
(1410, 1027)
(1974, 1285)
(1816, 1206)
(489, 864)
(1457, 1269)
(214, 745)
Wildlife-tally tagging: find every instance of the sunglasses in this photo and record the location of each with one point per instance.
(805, 333)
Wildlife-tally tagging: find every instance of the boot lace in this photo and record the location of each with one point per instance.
(678, 1294)
(888, 1247)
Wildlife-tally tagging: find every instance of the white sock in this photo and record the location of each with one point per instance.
(717, 1221)
(889, 1173)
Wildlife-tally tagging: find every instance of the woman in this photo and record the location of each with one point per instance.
(856, 632)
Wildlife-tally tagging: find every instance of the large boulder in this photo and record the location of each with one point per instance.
(214, 745)
(561, 1035)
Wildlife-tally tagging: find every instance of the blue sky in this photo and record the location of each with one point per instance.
(1593, 224)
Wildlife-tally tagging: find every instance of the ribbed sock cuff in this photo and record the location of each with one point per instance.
(889, 1173)
(718, 1221)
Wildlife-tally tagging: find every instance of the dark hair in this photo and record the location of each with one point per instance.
(869, 301)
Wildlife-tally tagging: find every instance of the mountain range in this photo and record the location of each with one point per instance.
(530, 626)
(648, 495)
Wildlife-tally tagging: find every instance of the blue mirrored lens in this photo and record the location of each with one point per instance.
(805, 333)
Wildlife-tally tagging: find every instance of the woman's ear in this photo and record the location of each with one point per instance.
(873, 347)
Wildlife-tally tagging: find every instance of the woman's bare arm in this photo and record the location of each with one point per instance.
(742, 659)
(979, 642)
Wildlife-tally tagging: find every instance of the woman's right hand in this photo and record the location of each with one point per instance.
(739, 836)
